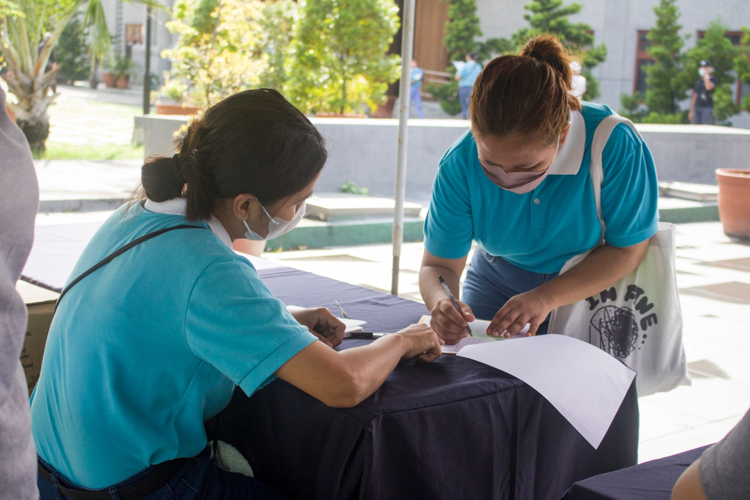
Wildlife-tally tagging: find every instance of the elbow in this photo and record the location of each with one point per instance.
(351, 391)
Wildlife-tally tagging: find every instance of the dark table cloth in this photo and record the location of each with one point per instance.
(449, 429)
(652, 480)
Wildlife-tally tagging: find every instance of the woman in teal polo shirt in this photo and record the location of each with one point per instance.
(147, 348)
(518, 184)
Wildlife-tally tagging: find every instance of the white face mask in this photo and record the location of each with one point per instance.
(702, 71)
(276, 225)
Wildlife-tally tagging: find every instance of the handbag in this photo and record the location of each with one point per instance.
(638, 320)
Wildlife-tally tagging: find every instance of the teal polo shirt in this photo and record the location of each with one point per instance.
(539, 231)
(469, 73)
(146, 349)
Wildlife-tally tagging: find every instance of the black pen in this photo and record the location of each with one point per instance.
(453, 301)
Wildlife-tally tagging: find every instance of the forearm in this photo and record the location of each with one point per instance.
(429, 284)
(370, 365)
(598, 271)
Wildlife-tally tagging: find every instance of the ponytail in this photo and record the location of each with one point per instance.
(527, 94)
(254, 142)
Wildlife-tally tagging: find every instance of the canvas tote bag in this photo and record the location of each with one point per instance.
(638, 320)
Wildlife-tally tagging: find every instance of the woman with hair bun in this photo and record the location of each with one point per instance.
(163, 320)
(518, 184)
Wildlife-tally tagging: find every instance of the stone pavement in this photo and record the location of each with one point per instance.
(84, 117)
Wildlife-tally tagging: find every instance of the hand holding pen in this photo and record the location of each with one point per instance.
(451, 317)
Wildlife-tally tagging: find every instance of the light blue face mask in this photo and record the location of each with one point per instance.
(276, 225)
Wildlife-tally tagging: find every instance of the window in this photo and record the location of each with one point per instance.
(741, 90)
(133, 34)
(642, 59)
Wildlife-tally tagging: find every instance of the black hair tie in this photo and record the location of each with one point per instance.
(176, 167)
(536, 55)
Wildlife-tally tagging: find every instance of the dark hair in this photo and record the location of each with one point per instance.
(473, 55)
(253, 142)
(525, 94)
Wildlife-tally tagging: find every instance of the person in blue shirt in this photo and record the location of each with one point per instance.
(143, 351)
(466, 77)
(415, 91)
(518, 184)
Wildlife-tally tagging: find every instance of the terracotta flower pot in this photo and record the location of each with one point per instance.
(110, 80)
(734, 201)
(123, 81)
(176, 109)
(385, 110)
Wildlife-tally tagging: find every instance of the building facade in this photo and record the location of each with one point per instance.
(620, 24)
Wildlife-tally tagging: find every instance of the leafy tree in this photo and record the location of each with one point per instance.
(217, 52)
(742, 65)
(461, 29)
(340, 58)
(277, 23)
(665, 91)
(719, 51)
(551, 16)
(71, 53)
(22, 33)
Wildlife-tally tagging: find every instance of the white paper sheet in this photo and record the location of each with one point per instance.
(478, 326)
(453, 349)
(352, 325)
(584, 383)
(459, 65)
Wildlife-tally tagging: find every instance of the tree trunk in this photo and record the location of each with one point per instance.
(36, 131)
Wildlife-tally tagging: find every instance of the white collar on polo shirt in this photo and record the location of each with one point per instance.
(569, 158)
(178, 206)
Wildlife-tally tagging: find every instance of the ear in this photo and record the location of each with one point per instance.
(564, 133)
(241, 206)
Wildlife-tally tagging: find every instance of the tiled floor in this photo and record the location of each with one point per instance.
(713, 275)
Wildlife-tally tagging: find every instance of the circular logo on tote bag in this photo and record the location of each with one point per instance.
(616, 327)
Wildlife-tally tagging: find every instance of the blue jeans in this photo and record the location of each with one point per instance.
(491, 281)
(464, 97)
(703, 115)
(199, 479)
(416, 97)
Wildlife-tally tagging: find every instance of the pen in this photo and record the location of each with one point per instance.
(342, 310)
(453, 301)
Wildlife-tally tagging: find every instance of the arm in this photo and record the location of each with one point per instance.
(344, 379)
(709, 82)
(692, 106)
(598, 271)
(446, 321)
(688, 486)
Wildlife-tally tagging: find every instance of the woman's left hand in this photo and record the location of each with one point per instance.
(321, 323)
(531, 307)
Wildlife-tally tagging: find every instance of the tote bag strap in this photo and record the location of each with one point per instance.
(601, 136)
(106, 260)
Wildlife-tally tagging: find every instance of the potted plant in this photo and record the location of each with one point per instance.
(175, 91)
(124, 66)
(734, 201)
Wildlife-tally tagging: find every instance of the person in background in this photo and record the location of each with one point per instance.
(721, 472)
(466, 77)
(416, 88)
(19, 199)
(578, 81)
(702, 104)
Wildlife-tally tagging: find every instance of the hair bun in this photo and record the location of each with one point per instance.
(547, 49)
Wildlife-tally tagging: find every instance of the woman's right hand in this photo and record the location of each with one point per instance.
(449, 324)
(422, 342)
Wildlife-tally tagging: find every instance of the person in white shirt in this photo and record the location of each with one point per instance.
(578, 81)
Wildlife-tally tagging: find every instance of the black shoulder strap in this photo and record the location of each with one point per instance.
(121, 251)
